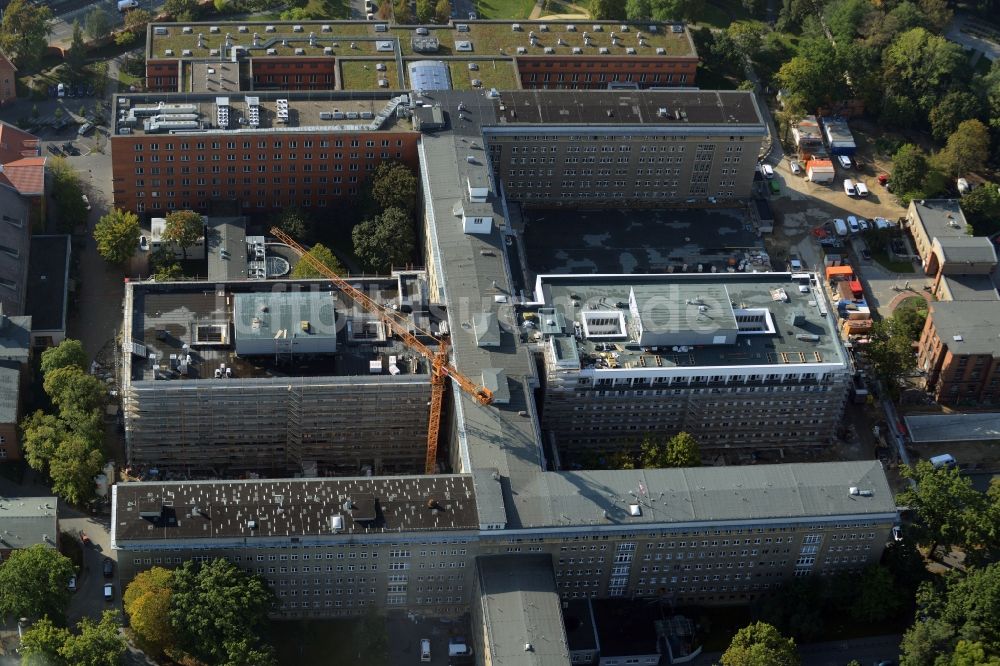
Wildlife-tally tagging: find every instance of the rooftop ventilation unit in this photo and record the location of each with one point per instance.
(603, 50)
(577, 50)
(168, 52)
(272, 52)
(269, 28)
(296, 28)
(571, 28)
(281, 107)
(543, 28)
(243, 28)
(326, 28)
(159, 30)
(300, 51)
(630, 51)
(187, 30)
(515, 27)
(634, 510)
(598, 27)
(661, 51)
(549, 50)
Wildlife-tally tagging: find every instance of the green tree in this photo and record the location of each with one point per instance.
(967, 149)
(73, 467)
(760, 644)
(387, 240)
(304, 270)
(637, 10)
(747, 36)
(442, 11)
(66, 353)
(796, 608)
(33, 582)
(183, 11)
(76, 56)
(183, 227)
(910, 319)
(147, 602)
(876, 597)
(135, 24)
(955, 107)
(808, 79)
(393, 185)
(924, 642)
(890, 352)
(67, 191)
(74, 390)
(41, 435)
(97, 24)
(607, 10)
(909, 168)
(981, 207)
(168, 272)
(117, 235)
(402, 13)
(970, 653)
(676, 10)
(40, 644)
(216, 605)
(923, 67)
(24, 32)
(97, 644)
(425, 11)
(846, 18)
(297, 223)
(947, 505)
(682, 451)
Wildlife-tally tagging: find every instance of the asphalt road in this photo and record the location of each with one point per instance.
(88, 601)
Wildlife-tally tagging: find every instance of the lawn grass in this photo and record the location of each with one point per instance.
(504, 9)
(362, 75)
(715, 16)
(497, 74)
(916, 303)
(319, 643)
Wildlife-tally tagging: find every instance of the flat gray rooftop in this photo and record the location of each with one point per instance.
(975, 427)
(151, 511)
(638, 241)
(176, 319)
(702, 303)
(941, 218)
(521, 606)
(674, 108)
(967, 327)
(26, 521)
(48, 282)
(971, 288)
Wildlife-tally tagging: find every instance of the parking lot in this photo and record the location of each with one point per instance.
(405, 633)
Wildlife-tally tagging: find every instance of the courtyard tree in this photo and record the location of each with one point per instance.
(67, 192)
(135, 24)
(73, 390)
(890, 352)
(387, 240)
(41, 643)
(760, 644)
(393, 185)
(69, 352)
(304, 270)
(967, 149)
(76, 56)
(97, 643)
(41, 435)
(117, 235)
(681, 450)
(33, 583)
(73, 466)
(297, 223)
(185, 228)
(981, 207)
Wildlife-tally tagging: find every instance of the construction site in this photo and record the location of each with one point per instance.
(274, 377)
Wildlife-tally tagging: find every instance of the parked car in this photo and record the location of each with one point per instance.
(84, 539)
(70, 148)
(143, 244)
(861, 188)
(864, 224)
(71, 586)
(85, 129)
(61, 90)
(852, 224)
(849, 188)
(109, 591)
(766, 170)
(897, 533)
(425, 649)
(845, 161)
(866, 254)
(86, 201)
(883, 223)
(108, 567)
(840, 226)
(795, 167)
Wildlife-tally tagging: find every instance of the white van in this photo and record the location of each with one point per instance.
(840, 226)
(849, 188)
(945, 461)
(125, 5)
(61, 90)
(425, 649)
(861, 188)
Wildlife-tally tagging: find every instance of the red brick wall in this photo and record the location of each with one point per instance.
(578, 72)
(161, 75)
(191, 171)
(294, 73)
(8, 79)
(10, 445)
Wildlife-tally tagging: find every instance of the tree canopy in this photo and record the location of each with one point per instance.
(147, 601)
(117, 235)
(957, 618)
(304, 270)
(94, 644)
(393, 185)
(967, 149)
(69, 352)
(67, 192)
(760, 644)
(24, 32)
(183, 227)
(33, 582)
(681, 450)
(297, 223)
(215, 607)
(97, 24)
(387, 240)
(981, 207)
(890, 351)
